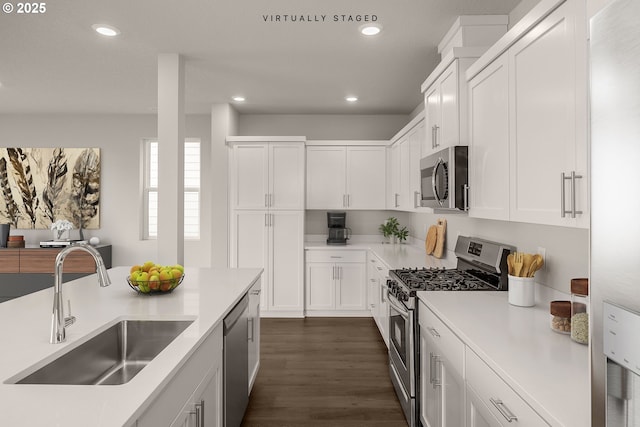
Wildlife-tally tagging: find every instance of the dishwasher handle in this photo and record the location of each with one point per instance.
(236, 313)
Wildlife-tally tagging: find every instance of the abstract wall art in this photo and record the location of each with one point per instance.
(39, 186)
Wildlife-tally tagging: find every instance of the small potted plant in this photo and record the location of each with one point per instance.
(389, 228)
(61, 229)
(402, 234)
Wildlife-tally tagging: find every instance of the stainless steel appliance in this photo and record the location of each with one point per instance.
(615, 172)
(236, 363)
(339, 233)
(481, 265)
(444, 179)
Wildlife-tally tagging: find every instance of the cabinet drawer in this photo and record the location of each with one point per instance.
(501, 400)
(43, 261)
(449, 345)
(9, 261)
(378, 265)
(336, 256)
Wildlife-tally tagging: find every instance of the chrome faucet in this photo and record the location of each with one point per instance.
(58, 321)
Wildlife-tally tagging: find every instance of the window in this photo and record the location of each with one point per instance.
(191, 189)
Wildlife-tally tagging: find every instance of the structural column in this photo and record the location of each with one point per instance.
(171, 131)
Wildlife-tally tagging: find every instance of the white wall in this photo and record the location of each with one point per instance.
(118, 137)
(323, 126)
(360, 222)
(567, 249)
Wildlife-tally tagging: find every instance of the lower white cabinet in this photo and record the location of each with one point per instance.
(377, 279)
(492, 400)
(193, 397)
(273, 240)
(441, 372)
(254, 332)
(335, 282)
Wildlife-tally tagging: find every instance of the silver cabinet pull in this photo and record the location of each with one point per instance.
(383, 292)
(256, 292)
(251, 329)
(433, 137)
(348, 200)
(437, 142)
(563, 209)
(266, 200)
(416, 197)
(434, 359)
(266, 220)
(433, 332)
(333, 274)
(504, 411)
(396, 200)
(465, 196)
(344, 200)
(335, 256)
(200, 414)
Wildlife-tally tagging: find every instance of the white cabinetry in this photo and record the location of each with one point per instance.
(273, 240)
(544, 72)
(346, 177)
(489, 142)
(254, 333)
(336, 282)
(442, 372)
(548, 110)
(491, 401)
(266, 187)
(267, 175)
(445, 97)
(404, 173)
(377, 276)
(193, 397)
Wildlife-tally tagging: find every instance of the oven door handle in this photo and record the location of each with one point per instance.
(398, 307)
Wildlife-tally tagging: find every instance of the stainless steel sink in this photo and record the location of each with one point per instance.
(114, 356)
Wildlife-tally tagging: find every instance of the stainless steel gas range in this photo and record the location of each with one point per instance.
(481, 265)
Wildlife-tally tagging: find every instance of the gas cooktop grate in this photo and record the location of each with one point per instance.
(439, 279)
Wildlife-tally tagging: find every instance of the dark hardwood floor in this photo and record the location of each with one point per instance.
(322, 372)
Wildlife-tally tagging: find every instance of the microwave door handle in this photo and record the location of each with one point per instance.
(434, 181)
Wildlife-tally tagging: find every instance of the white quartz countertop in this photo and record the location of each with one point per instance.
(205, 296)
(393, 255)
(547, 369)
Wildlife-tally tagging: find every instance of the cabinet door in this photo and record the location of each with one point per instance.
(254, 333)
(432, 110)
(351, 293)
(250, 246)
(249, 176)
(326, 180)
(477, 414)
(416, 138)
(211, 400)
(448, 132)
(287, 178)
(405, 198)
(320, 283)
(489, 142)
(543, 108)
(366, 177)
(287, 261)
(430, 396)
(394, 177)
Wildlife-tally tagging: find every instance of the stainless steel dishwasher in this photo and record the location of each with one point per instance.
(236, 363)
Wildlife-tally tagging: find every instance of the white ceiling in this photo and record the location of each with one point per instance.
(55, 63)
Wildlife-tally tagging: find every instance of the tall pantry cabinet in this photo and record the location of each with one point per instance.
(266, 199)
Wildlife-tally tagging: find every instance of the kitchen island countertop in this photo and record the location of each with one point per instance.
(205, 296)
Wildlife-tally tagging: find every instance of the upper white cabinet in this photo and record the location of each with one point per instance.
(548, 132)
(267, 175)
(346, 177)
(489, 142)
(404, 168)
(446, 101)
(528, 102)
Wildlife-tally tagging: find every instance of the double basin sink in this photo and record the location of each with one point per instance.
(113, 357)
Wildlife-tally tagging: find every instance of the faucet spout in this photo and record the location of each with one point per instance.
(58, 320)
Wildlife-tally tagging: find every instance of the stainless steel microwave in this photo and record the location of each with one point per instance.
(444, 179)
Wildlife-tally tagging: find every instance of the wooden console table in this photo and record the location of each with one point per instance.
(27, 270)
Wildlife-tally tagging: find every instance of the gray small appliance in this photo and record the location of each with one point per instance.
(338, 231)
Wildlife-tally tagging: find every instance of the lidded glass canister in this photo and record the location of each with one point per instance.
(580, 310)
(560, 312)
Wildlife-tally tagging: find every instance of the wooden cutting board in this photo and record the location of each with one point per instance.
(441, 229)
(430, 241)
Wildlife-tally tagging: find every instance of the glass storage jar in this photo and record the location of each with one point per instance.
(580, 310)
(560, 312)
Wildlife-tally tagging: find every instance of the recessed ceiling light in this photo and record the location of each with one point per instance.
(351, 98)
(370, 29)
(106, 30)
(239, 98)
